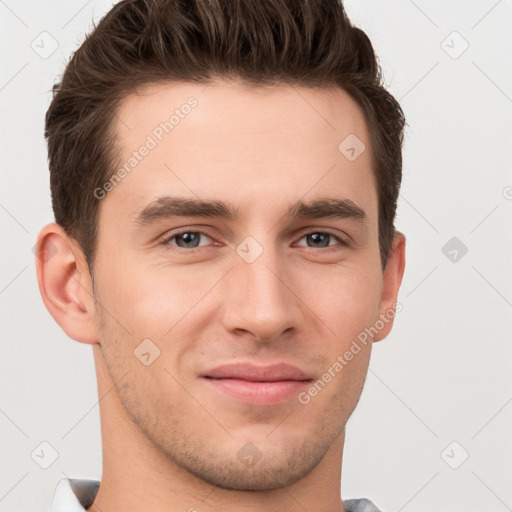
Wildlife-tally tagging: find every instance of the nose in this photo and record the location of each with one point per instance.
(260, 301)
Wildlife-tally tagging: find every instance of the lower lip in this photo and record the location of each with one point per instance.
(264, 393)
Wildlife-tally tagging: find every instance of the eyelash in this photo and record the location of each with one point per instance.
(166, 241)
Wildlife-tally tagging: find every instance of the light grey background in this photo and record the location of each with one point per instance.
(443, 375)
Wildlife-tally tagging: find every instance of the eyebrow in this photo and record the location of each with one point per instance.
(167, 207)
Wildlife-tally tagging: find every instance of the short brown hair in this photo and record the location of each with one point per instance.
(308, 43)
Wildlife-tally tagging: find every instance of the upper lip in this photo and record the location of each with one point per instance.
(254, 373)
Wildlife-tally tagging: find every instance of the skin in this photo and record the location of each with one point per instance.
(170, 442)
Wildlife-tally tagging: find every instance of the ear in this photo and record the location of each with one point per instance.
(392, 278)
(65, 283)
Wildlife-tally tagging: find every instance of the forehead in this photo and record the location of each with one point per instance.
(248, 145)
(236, 109)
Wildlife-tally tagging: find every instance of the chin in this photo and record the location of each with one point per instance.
(243, 466)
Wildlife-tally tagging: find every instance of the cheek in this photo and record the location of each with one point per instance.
(346, 298)
(347, 304)
(148, 299)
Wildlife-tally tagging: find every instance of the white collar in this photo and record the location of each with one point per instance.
(74, 495)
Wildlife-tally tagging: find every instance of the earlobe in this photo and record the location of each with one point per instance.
(65, 283)
(392, 279)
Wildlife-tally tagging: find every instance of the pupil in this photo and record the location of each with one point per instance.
(188, 238)
(323, 236)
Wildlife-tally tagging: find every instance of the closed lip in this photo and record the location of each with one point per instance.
(255, 373)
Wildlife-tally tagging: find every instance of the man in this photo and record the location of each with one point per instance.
(224, 178)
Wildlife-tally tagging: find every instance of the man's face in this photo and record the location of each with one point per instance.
(264, 287)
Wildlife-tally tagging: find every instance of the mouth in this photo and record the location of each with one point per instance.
(260, 385)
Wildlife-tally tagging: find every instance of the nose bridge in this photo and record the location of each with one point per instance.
(259, 301)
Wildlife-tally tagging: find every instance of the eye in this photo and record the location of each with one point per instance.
(186, 239)
(321, 239)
